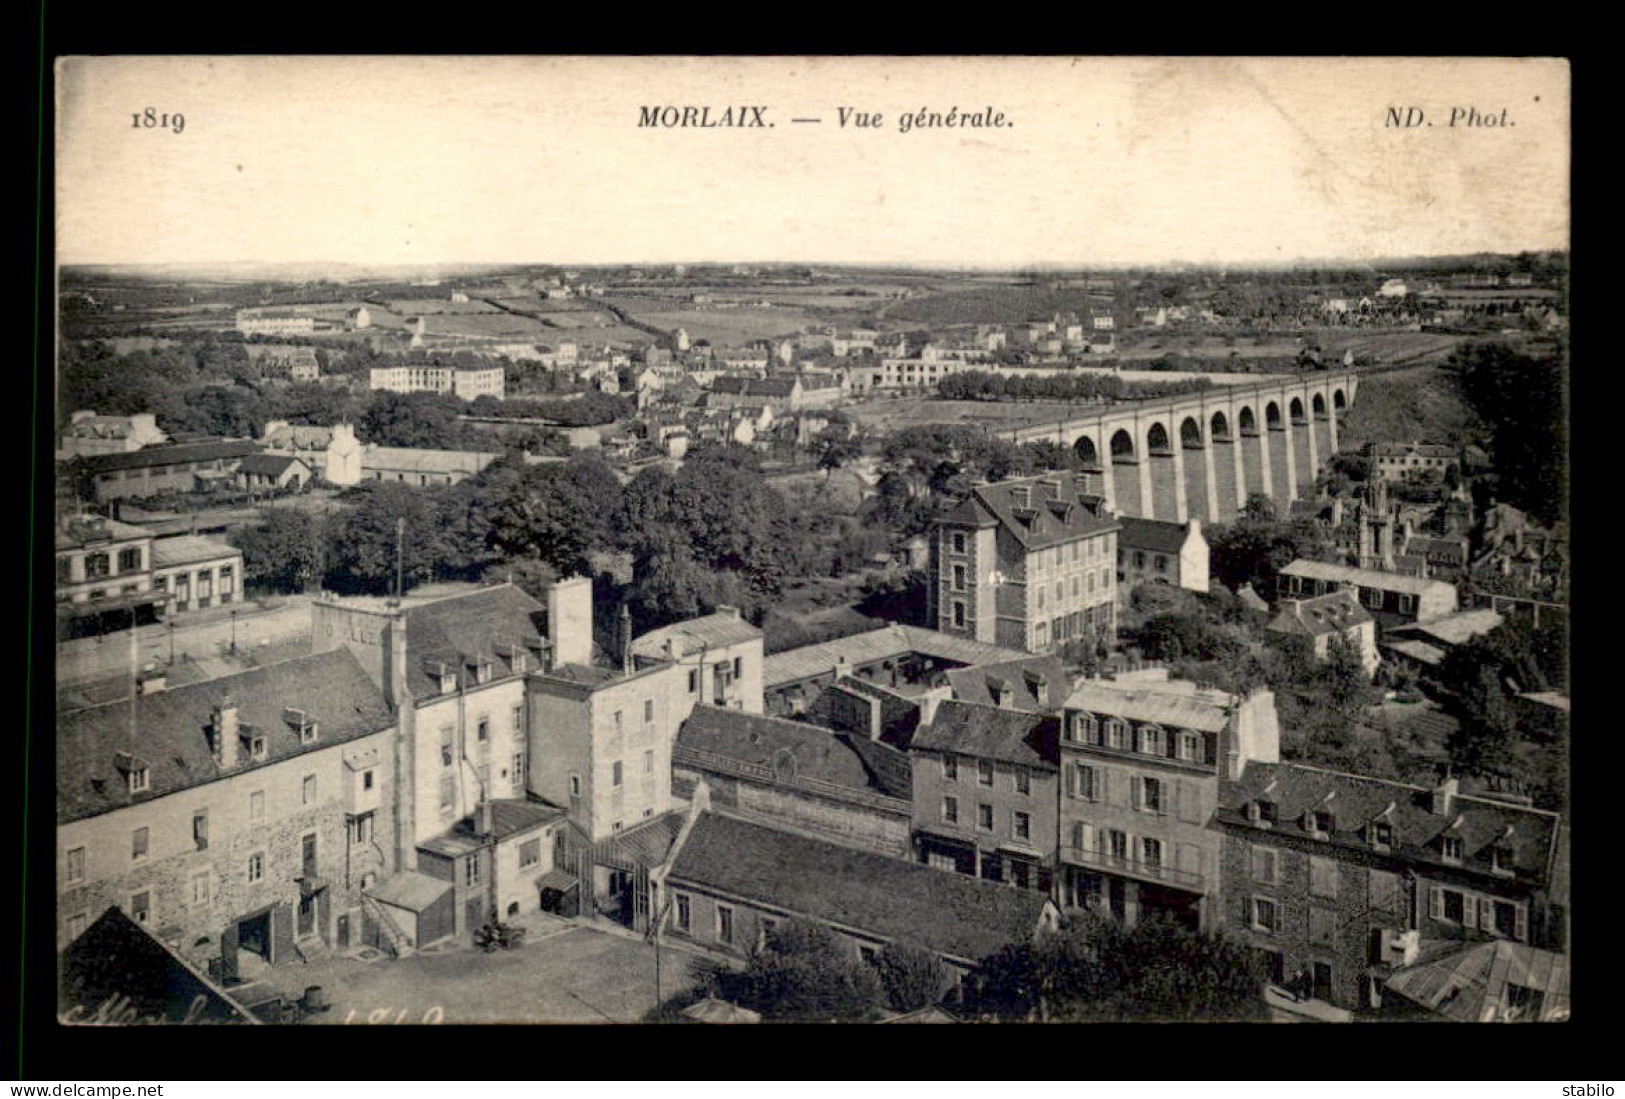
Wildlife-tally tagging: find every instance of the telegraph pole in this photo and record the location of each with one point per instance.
(400, 541)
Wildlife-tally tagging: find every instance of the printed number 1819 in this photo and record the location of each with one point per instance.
(151, 119)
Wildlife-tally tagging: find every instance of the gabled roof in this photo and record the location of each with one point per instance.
(693, 635)
(168, 730)
(891, 899)
(1157, 535)
(450, 631)
(988, 732)
(170, 455)
(1036, 683)
(1366, 578)
(1183, 706)
(1333, 612)
(269, 465)
(1468, 984)
(791, 749)
(1356, 800)
(1057, 510)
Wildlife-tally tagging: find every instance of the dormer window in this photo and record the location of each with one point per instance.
(309, 732)
(140, 779)
(1020, 497)
(1501, 858)
(1085, 729)
(1261, 813)
(1380, 835)
(257, 747)
(1450, 848)
(1321, 823)
(1116, 734)
(1150, 740)
(1190, 747)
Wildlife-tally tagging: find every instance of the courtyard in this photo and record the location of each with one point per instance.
(572, 973)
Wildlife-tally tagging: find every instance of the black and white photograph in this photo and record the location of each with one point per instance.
(684, 540)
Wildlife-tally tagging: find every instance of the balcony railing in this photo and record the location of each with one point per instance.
(1137, 868)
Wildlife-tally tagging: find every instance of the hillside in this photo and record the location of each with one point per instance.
(1421, 404)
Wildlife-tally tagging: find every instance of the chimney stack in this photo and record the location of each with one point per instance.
(623, 638)
(1444, 797)
(228, 748)
(569, 620)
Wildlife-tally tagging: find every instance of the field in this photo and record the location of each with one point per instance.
(726, 327)
(1385, 348)
(1419, 404)
(993, 305)
(890, 415)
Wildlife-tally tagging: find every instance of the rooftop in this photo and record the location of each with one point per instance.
(268, 465)
(1468, 983)
(1458, 628)
(1368, 578)
(791, 749)
(1035, 682)
(1156, 535)
(424, 460)
(1041, 511)
(170, 455)
(83, 530)
(455, 630)
(1176, 703)
(167, 731)
(1324, 614)
(892, 899)
(892, 640)
(712, 631)
(1354, 801)
(988, 732)
(184, 549)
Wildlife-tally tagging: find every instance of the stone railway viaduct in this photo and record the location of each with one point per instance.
(1200, 455)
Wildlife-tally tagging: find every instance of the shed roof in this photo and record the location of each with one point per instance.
(989, 732)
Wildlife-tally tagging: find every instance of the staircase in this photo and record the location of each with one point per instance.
(392, 939)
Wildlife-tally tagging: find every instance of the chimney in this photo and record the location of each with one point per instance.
(228, 747)
(728, 609)
(1443, 800)
(153, 682)
(487, 818)
(843, 667)
(569, 620)
(623, 638)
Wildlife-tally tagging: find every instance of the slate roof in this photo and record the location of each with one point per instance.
(1036, 682)
(1458, 628)
(948, 913)
(451, 630)
(1368, 578)
(1052, 516)
(988, 732)
(1356, 800)
(1333, 612)
(268, 465)
(819, 754)
(711, 631)
(1151, 534)
(85, 530)
(168, 730)
(1162, 703)
(170, 455)
(184, 549)
(794, 665)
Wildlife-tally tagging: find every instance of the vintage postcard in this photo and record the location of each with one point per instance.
(871, 539)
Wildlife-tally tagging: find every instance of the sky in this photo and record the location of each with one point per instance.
(1104, 161)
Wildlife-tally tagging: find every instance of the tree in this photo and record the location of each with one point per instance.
(362, 548)
(284, 554)
(802, 973)
(912, 977)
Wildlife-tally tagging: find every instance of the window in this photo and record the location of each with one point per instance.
(684, 913)
(76, 865)
(575, 786)
(1450, 848)
(307, 790)
(1116, 734)
(1322, 926)
(1085, 782)
(1382, 835)
(129, 560)
(649, 761)
(1266, 865)
(693, 681)
(1507, 921)
(1523, 1003)
(471, 870)
(1407, 604)
(984, 817)
(97, 565)
(361, 829)
(1454, 906)
(725, 924)
(618, 721)
(950, 810)
(366, 780)
(959, 614)
(448, 795)
(1266, 916)
(767, 927)
(1151, 795)
(1139, 559)
(138, 845)
(1151, 853)
(519, 770)
(1024, 782)
(1190, 747)
(482, 732)
(256, 867)
(64, 570)
(1022, 826)
(1501, 859)
(866, 954)
(984, 772)
(950, 768)
(1088, 729)
(959, 578)
(958, 541)
(1150, 740)
(1117, 845)
(445, 745)
(1323, 823)
(140, 779)
(228, 582)
(200, 829)
(141, 907)
(739, 667)
(615, 773)
(200, 889)
(256, 805)
(1162, 563)
(1322, 877)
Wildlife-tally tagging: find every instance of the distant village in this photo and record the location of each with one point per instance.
(1143, 542)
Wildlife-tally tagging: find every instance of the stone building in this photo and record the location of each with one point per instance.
(1028, 563)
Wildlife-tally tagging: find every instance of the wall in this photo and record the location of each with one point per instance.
(460, 713)
(860, 826)
(173, 860)
(931, 787)
(516, 884)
